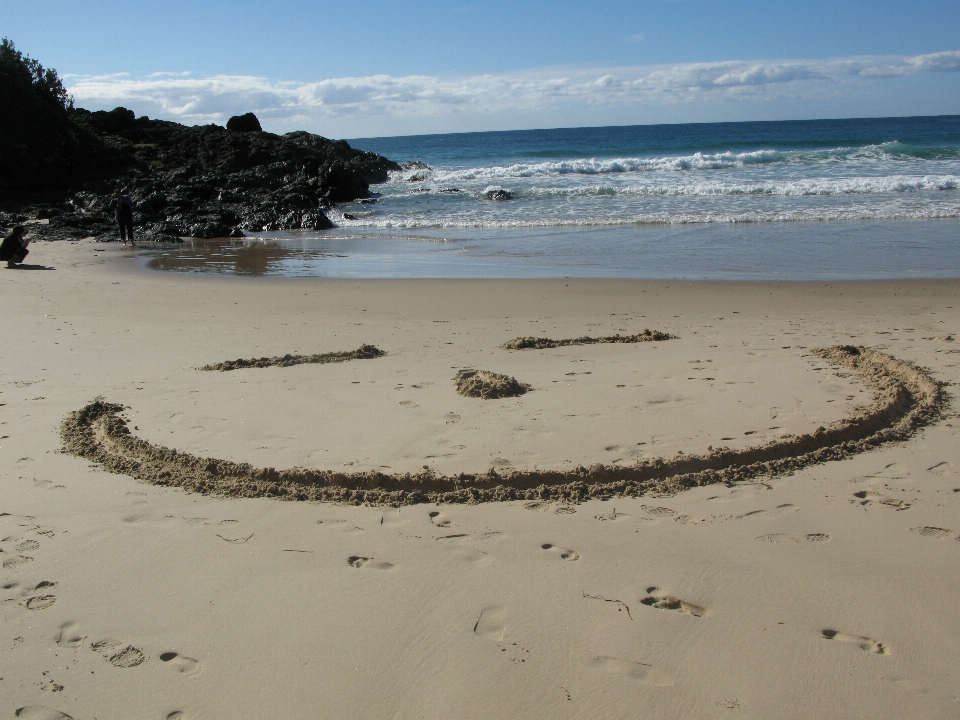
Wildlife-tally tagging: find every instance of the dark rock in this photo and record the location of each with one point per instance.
(417, 177)
(498, 194)
(449, 190)
(368, 201)
(244, 123)
(415, 165)
(47, 213)
(348, 216)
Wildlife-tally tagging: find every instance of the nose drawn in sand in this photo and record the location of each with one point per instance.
(872, 497)
(660, 600)
(864, 643)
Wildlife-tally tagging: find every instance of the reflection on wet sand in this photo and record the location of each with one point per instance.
(235, 257)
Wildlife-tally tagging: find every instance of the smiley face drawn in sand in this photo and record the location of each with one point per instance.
(905, 399)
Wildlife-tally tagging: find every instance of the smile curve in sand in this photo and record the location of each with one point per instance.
(905, 399)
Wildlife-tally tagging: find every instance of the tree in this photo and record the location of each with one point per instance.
(39, 144)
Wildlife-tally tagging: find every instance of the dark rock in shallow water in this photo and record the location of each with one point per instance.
(498, 194)
(415, 165)
(247, 122)
(348, 216)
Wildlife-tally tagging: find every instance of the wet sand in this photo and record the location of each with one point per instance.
(821, 590)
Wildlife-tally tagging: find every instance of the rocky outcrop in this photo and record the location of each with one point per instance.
(247, 122)
(206, 181)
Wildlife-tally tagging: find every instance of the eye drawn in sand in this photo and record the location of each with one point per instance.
(119, 655)
(872, 497)
(364, 352)
(636, 671)
(933, 532)
(358, 561)
(70, 635)
(563, 553)
(772, 513)
(864, 643)
(40, 712)
(532, 343)
(184, 665)
(489, 623)
(656, 598)
(440, 520)
(905, 398)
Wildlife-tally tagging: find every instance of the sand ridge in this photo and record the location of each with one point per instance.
(905, 399)
(364, 352)
(534, 343)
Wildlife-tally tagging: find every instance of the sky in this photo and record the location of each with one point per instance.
(380, 68)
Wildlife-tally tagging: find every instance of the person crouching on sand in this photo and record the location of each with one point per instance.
(14, 247)
(122, 207)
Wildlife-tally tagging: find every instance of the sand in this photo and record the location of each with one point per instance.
(787, 547)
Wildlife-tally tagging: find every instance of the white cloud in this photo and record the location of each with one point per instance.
(397, 101)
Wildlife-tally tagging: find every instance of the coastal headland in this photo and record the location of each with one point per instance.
(822, 589)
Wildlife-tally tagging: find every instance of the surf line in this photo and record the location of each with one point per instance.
(905, 399)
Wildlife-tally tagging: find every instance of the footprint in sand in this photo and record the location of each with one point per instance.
(70, 635)
(611, 516)
(637, 671)
(184, 665)
(816, 537)
(941, 468)
(933, 532)
(775, 512)
(40, 712)
(358, 561)
(118, 655)
(542, 506)
(490, 623)
(658, 511)
(441, 520)
(564, 554)
(12, 563)
(687, 520)
(40, 602)
(864, 643)
(780, 538)
(28, 546)
(658, 599)
(872, 497)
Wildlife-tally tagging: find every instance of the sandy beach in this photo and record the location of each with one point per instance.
(824, 592)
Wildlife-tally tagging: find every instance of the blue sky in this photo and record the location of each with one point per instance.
(384, 68)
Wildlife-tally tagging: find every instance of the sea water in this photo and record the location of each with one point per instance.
(826, 199)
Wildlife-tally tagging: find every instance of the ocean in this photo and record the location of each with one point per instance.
(823, 199)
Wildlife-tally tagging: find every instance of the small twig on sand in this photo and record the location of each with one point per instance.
(618, 602)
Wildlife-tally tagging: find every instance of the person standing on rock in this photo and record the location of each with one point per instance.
(122, 207)
(14, 247)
